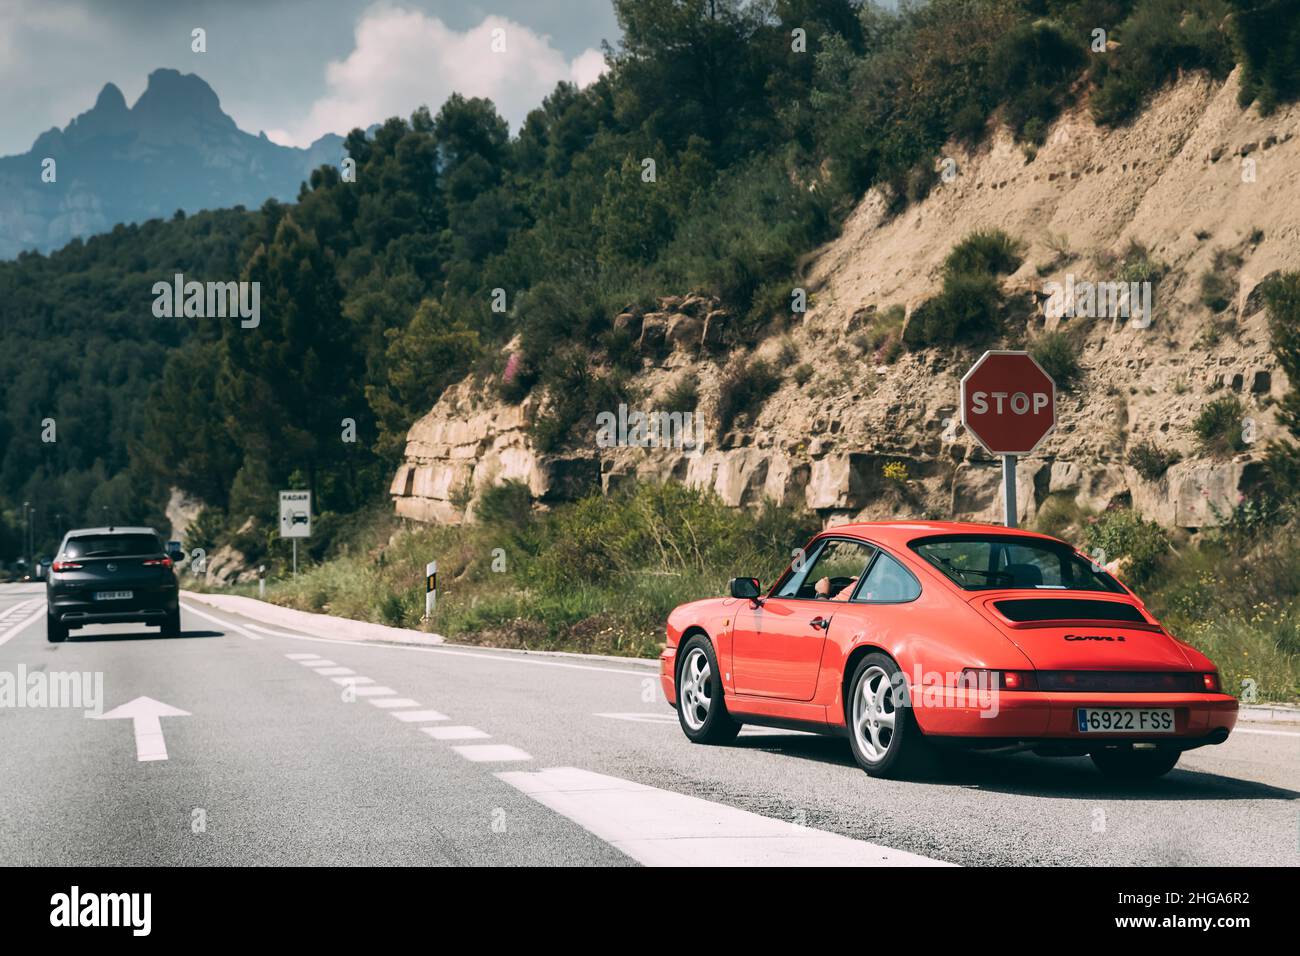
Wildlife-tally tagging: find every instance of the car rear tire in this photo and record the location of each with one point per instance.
(883, 732)
(56, 632)
(172, 625)
(701, 709)
(1125, 763)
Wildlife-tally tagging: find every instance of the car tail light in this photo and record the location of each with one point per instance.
(1211, 682)
(157, 563)
(1005, 680)
(65, 566)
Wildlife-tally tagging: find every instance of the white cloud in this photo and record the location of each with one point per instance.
(403, 59)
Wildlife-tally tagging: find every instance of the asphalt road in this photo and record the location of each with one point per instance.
(301, 750)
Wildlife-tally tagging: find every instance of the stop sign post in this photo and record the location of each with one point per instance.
(1009, 404)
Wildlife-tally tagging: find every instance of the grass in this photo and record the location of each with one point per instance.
(599, 575)
(1218, 427)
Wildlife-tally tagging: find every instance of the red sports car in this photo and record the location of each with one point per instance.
(907, 636)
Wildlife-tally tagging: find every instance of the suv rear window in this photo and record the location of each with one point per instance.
(112, 545)
(991, 562)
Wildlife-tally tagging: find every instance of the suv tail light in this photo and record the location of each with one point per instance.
(1211, 682)
(65, 566)
(157, 563)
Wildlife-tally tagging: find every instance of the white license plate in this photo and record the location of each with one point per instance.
(114, 595)
(1114, 720)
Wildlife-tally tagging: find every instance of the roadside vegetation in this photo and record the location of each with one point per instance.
(598, 575)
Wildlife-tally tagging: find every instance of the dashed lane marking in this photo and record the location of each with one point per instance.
(418, 716)
(393, 702)
(491, 753)
(456, 733)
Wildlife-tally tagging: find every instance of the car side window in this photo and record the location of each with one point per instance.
(888, 582)
(832, 574)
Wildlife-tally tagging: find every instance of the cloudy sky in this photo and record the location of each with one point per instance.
(294, 68)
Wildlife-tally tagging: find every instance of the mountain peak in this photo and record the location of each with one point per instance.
(110, 100)
(171, 94)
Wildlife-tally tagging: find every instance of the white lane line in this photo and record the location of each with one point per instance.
(662, 828)
(22, 625)
(389, 703)
(331, 671)
(318, 662)
(643, 717)
(501, 656)
(373, 691)
(345, 681)
(302, 657)
(225, 624)
(1269, 733)
(491, 753)
(670, 720)
(418, 716)
(456, 733)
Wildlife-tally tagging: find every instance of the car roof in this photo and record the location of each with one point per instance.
(115, 529)
(901, 533)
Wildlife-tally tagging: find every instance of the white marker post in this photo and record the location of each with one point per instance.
(430, 588)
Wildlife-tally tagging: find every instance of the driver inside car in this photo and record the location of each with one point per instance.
(823, 589)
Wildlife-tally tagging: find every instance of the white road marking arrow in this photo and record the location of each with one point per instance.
(145, 714)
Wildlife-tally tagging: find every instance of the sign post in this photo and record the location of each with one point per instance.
(295, 519)
(1009, 404)
(430, 588)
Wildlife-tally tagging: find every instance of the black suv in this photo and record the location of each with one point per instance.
(111, 575)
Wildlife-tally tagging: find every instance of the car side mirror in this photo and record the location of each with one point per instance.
(745, 588)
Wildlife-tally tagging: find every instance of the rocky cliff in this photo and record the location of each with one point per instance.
(1202, 187)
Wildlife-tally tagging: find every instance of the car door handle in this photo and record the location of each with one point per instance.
(823, 622)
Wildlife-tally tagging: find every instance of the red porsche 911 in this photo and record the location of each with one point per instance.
(909, 637)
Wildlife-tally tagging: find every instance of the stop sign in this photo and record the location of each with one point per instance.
(1008, 402)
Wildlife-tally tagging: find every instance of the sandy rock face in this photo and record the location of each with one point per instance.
(1197, 183)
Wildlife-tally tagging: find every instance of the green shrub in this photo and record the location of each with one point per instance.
(1150, 461)
(968, 308)
(1122, 533)
(1218, 426)
(1159, 39)
(1059, 513)
(684, 395)
(1267, 35)
(746, 384)
(509, 503)
(1031, 72)
(1216, 291)
(1058, 354)
(984, 252)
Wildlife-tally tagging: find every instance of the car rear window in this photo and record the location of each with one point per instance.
(112, 545)
(1068, 609)
(991, 562)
